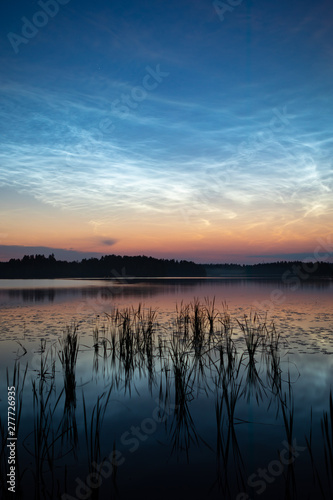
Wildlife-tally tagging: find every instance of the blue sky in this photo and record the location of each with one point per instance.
(165, 130)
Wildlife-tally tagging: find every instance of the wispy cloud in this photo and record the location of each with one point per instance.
(278, 174)
(235, 142)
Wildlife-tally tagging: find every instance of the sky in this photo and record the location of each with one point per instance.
(185, 129)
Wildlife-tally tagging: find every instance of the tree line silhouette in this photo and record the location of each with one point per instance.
(108, 266)
(120, 267)
(297, 269)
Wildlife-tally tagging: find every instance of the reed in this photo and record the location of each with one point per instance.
(183, 431)
(229, 456)
(17, 381)
(93, 432)
(183, 319)
(147, 324)
(227, 347)
(146, 321)
(327, 434)
(126, 346)
(197, 321)
(211, 313)
(254, 386)
(315, 472)
(3, 458)
(69, 347)
(200, 357)
(253, 331)
(68, 358)
(46, 372)
(102, 347)
(287, 408)
(273, 360)
(45, 437)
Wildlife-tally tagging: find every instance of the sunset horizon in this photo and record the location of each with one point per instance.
(322, 252)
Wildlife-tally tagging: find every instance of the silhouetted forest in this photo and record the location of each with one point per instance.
(109, 266)
(116, 266)
(296, 269)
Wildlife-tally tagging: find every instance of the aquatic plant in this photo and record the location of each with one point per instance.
(211, 313)
(93, 431)
(68, 358)
(208, 353)
(327, 436)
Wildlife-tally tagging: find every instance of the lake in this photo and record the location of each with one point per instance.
(168, 388)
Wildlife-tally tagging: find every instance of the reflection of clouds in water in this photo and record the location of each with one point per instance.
(305, 320)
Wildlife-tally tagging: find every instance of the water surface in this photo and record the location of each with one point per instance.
(166, 400)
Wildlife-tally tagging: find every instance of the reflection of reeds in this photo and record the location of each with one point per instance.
(45, 437)
(253, 331)
(323, 475)
(198, 320)
(201, 351)
(287, 408)
(227, 346)
(18, 382)
(3, 457)
(93, 428)
(131, 343)
(183, 430)
(211, 313)
(231, 391)
(46, 371)
(145, 325)
(102, 347)
(227, 445)
(145, 321)
(327, 432)
(315, 472)
(182, 319)
(273, 360)
(258, 334)
(126, 345)
(68, 358)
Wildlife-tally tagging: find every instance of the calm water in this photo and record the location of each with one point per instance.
(181, 418)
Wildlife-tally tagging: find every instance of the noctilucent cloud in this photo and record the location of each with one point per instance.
(179, 129)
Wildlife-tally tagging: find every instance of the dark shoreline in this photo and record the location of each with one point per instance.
(126, 268)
